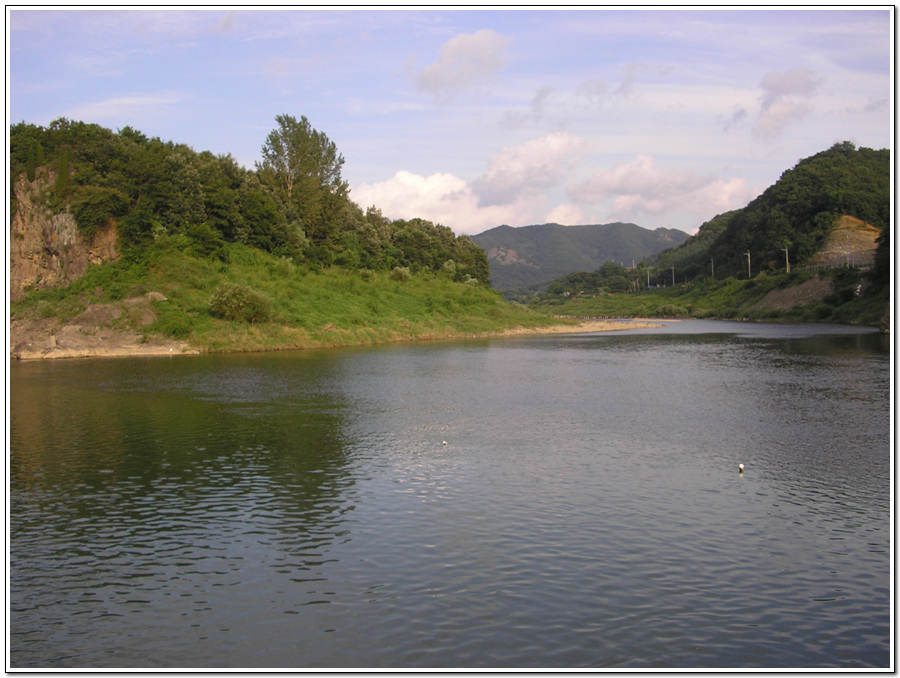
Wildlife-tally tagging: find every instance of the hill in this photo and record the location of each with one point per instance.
(120, 240)
(798, 213)
(815, 246)
(531, 256)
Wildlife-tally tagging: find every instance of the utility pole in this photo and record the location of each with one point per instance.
(712, 265)
(787, 262)
(748, 264)
(648, 276)
(673, 276)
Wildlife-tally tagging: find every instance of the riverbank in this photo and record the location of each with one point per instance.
(44, 339)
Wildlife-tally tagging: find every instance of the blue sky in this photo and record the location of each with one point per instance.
(476, 118)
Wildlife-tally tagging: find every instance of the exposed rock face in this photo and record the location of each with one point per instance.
(507, 257)
(851, 242)
(46, 250)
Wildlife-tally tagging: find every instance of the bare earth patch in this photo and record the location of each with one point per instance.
(91, 334)
(805, 293)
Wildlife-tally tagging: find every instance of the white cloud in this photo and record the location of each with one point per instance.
(526, 178)
(567, 215)
(441, 198)
(773, 119)
(796, 82)
(465, 61)
(779, 105)
(639, 189)
(534, 166)
(125, 108)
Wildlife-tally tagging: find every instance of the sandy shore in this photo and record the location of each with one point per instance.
(44, 339)
(586, 326)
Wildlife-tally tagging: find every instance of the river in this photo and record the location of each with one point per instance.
(558, 501)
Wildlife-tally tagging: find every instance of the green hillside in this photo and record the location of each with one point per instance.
(796, 213)
(232, 258)
(531, 256)
(821, 214)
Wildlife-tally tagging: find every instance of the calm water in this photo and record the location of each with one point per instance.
(302, 510)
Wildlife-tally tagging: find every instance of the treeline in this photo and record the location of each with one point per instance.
(294, 203)
(609, 278)
(796, 213)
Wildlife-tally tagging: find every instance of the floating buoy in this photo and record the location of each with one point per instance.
(445, 442)
(740, 468)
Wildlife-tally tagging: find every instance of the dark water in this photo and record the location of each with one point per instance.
(302, 510)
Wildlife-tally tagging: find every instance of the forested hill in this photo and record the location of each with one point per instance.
(530, 256)
(796, 214)
(294, 203)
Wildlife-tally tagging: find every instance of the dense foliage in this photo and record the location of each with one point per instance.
(294, 204)
(797, 213)
(610, 277)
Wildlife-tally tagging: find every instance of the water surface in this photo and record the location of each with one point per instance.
(303, 510)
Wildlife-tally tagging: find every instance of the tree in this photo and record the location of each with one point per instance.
(303, 167)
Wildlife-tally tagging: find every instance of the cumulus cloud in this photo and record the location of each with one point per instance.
(441, 198)
(639, 188)
(772, 120)
(781, 101)
(797, 82)
(465, 61)
(520, 171)
(512, 191)
(636, 191)
(567, 215)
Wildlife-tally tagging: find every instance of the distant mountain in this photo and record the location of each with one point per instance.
(530, 256)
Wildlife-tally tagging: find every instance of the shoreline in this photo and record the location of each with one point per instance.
(37, 341)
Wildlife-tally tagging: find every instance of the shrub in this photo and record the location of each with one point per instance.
(239, 302)
(176, 324)
(401, 273)
(671, 310)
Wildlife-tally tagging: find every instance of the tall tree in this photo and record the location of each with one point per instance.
(303, 167)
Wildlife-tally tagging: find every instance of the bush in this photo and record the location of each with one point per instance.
(239, 302)
(176, 324)
(671, 310)
(401, 273)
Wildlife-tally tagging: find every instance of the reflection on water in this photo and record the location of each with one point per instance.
(303, 510)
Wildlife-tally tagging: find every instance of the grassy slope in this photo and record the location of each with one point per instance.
(308, 309)
(742, 299)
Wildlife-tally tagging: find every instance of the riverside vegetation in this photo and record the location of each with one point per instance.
(236, 259)
(279, 256)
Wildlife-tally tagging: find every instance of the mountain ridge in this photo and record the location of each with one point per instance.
(531, 256)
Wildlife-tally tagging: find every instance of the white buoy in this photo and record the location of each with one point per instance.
(740, 468)
(445, 442)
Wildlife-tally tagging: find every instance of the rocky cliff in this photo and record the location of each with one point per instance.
(46, 249)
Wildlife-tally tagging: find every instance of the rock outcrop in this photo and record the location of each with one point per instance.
(851, 243)
(46, 249)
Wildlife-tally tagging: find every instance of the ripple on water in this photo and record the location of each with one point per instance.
(264, 511)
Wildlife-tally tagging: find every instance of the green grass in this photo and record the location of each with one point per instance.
(307, 308)
(731, 298)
